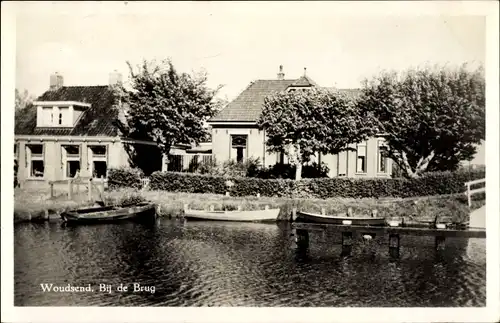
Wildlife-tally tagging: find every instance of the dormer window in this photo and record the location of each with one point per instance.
(298, 88)
(60, 113)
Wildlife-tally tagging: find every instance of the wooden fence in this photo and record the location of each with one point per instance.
(74, 184)
(470, 192)
(187, 163)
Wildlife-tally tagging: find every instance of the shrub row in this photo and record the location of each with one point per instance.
(124, 177)
(430, 184)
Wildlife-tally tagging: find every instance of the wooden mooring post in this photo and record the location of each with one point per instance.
(439, 243)
(394, 245)
(302, 239)
(346, 243)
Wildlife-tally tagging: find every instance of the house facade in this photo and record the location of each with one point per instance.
(235, 134)
(73, 130)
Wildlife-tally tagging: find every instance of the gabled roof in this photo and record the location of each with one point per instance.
(304, 81)
(98, 120)
(248, 105)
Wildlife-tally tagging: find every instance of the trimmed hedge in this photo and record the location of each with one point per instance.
(124, 177)
(430, 184)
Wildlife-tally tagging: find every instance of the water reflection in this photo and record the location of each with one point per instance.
(241, 264)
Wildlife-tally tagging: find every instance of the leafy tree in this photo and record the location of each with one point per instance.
(166, 106)
(432, 118)
(23, 99)
(302, 123)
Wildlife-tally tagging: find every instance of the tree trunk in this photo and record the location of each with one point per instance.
(295, 159)
(298, 171)
(298, 164)
(420, 167)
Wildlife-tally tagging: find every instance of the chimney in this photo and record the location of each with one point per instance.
(115, 78)
(281, 75)
(56, 81)
(305, 71)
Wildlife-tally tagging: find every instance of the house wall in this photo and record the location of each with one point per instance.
(342, 165)
(54, 158)
(221, 144)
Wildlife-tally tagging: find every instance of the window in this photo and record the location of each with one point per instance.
(72, 168)
(281, 158)
(60, 118)
(100, 169)
(72, 160)
(382, 156)
(99, 161)
(361, 158)
(98, 150)
(47, 116)
(239, 146)
(35, 160)
(239, 154)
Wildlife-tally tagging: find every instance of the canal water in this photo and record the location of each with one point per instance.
(174, 263)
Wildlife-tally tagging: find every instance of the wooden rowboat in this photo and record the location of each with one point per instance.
(142, 212)
(339, 219)
(238, 216)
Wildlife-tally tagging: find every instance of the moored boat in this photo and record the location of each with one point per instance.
(142, 212)
(237, 216)
(339, 219)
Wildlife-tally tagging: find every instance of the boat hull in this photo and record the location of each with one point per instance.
(145, 212)
(236, 216)
(330, 219)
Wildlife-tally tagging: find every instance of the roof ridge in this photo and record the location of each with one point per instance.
(85, 86)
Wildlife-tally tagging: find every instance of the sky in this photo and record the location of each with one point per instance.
(235, 43)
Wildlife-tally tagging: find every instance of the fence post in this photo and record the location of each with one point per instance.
(468, 194)
(90, 189)
(70, 189)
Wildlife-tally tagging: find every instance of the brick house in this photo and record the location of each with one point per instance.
(71, 129)
(235, 134)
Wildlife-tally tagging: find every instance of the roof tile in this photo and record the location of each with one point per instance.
(249, 104)
(98, 120)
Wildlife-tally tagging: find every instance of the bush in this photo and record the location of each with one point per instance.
(131, 199)
(288, 171)
(208, 166)
(242, 186)
(125, 177)
(430, 184)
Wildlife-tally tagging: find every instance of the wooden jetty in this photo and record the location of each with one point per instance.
(301, 232)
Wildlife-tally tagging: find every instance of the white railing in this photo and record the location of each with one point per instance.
(76, 182)
(145, 183)
(470, 192)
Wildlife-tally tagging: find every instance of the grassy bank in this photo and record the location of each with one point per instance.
(35, 205)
